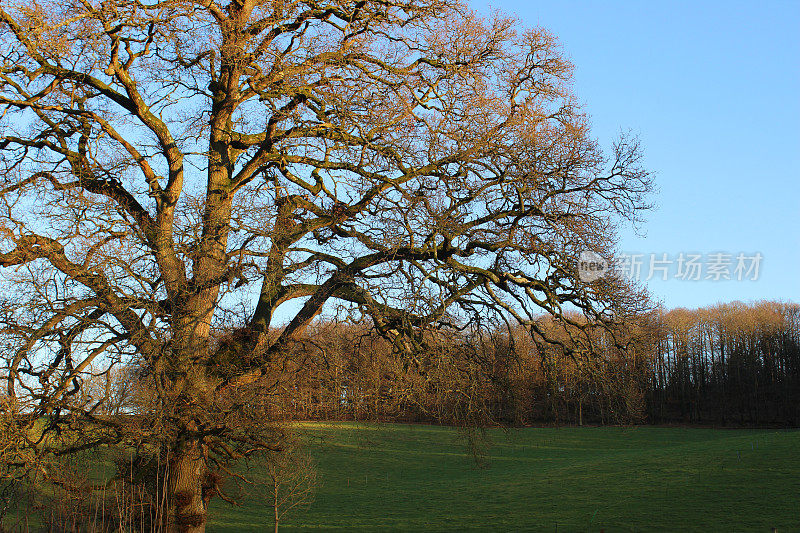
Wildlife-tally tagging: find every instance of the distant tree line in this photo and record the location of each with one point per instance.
(731, 364)
(726, 364)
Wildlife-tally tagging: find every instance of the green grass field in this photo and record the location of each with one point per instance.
(423, 478)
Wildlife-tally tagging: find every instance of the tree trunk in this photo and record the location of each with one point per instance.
(276, 504)
(186, 511)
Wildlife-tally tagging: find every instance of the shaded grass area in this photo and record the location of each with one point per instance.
(423, 478)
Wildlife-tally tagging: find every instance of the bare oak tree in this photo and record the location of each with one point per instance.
(175, 166)
(291, 479)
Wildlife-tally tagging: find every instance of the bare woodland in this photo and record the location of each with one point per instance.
(730, 365)
(175, 171)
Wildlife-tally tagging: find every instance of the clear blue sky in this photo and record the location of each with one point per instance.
(713, 91)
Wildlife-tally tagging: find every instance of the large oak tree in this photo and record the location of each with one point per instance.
(168, 165)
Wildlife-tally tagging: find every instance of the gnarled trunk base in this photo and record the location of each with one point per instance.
(186, 505)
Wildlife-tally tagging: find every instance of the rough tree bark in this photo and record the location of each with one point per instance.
(187, 511)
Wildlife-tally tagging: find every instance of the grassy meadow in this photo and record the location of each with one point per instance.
(424, 478)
